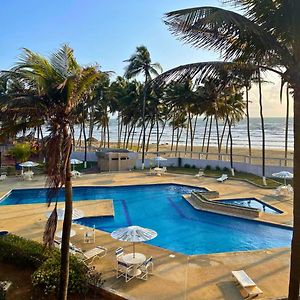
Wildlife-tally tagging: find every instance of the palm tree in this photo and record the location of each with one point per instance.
(140, 63)
(59, 85)
(271, 42)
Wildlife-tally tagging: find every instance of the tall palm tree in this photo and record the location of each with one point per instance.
(60, 85)
(140, 63)
(267, 34)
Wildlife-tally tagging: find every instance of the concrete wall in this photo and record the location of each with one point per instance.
(202, 163)
(198, 163)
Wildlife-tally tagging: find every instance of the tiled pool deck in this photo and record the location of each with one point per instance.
(182, 277)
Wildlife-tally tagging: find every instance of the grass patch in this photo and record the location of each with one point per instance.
(257, 180)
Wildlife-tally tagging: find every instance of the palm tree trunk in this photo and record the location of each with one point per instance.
(204, 134)
(223, 132)
(79, 138)
(193, 133)
(157, 134)
(132, 137)
(149, 136)
(262, 130)
(162, 130)
(120, 132)
(286, 125)
(85, 144)
(218, 136)
(295, 249)
(248, 120)
(208, 138)
(186, 138)
(108, 135)
(172, 139)
(231, 156)
(125, 135)
(91, 127)
(65, 245)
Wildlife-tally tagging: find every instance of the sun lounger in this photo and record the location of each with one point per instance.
(249, 288)
(2, 177)
(199, 174)
(222, 178)
(89, 256)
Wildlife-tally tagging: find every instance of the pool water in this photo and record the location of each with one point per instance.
(180, 227)
(253, 203)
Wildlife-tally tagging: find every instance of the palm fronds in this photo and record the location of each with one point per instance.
(228, 32)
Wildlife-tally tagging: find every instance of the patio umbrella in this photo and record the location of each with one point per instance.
(76, 214)
(284, 175)
(134, 234)
(74, 162)
(158, 159)
(28, 164)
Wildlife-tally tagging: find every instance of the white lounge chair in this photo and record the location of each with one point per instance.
(124, 270)
(222, 178)
(199, 174)
(146, 268)
(2, 177)
(249, 288)
(87, 257)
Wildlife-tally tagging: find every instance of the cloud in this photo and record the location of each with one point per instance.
(271, 98)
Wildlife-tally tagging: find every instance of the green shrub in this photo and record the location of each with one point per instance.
(218, 168)
(225, 169)
(207, 168)
(22, 252)
(21, 152)
(193, 167)
(80, 277)
(187, 166)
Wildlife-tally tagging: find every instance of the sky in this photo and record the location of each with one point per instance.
(107, 33)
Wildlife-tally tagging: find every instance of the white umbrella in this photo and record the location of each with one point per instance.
(158, 159)
(59, 233)
(76, 214)
(75, 161)
(284, 175)
(28, 164)
(134, 234)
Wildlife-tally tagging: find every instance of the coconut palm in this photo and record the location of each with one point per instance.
(140, 63)
(60, 85)
(267, 35)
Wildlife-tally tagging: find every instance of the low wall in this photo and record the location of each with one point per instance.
(202, 163)
(214, 206)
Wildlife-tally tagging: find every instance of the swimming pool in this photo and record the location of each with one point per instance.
(180, 227)
(253, 203)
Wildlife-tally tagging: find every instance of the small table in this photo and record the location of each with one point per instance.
(135, 261)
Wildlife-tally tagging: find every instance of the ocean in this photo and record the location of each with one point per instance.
(274, 133)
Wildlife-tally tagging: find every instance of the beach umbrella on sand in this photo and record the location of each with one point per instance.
(158, 159)
(74, 162)
(76, 214)
(284, 175)
(134, 234)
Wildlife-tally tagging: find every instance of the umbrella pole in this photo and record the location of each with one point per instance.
(285, 181)
(133, 245)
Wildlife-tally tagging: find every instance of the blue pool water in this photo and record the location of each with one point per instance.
(253, 203)
(180, 227)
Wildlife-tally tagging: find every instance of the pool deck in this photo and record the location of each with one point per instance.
(180, 277)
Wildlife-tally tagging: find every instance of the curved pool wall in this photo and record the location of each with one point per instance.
(253, 203)
(180, 227)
